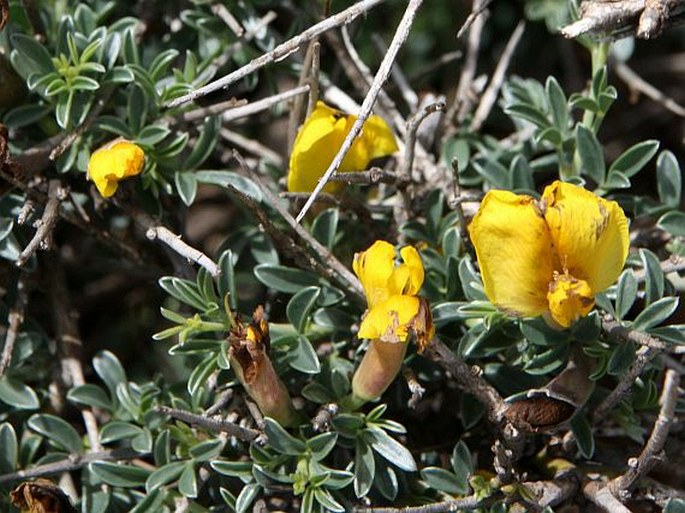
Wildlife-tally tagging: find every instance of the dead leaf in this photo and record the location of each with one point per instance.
(4, 13)
(40, 496)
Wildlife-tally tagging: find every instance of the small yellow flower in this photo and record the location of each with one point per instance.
(394, 313)
(549, 257)
(113, 162)
(319, 140)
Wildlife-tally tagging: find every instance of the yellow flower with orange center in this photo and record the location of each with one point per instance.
(116, 161)
(321, 136)
(395, 312)
(550, 256)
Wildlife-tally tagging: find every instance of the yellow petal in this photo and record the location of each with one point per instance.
(319, 140)
(390, 320)
(569, 299)
(374, 267)
(114, 162)
(514, 252)
(590, 234)
(407, 278)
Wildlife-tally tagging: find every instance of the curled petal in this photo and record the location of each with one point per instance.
(374, 267)
(514, 251)
(391, 320)
(590, 234)
(408, 276)
(110, 164)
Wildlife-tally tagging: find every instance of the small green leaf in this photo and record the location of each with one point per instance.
(591, 154)
(635, 158)
(325, 226)
(33, 53)
(114, 474)
(18, 395)
(204, 145)
(186, 185)
(675, 506)
(364, 468)
(654, 276)
(626, 293)
(110, 370)
(187, 483)
(164, 475)
(284, 279)
(621, 358)
(462, 465)
(673, 222)
(583, 433)
(282, 441)
(300, 307)
(56, 430)
(322, 444)
(207, 450)
(229, 178)
(442, 480)
(90, 395)
(655, 313)
(557, 104)
(246, 497)
(389, 448)
(118, 430)
(668, 179)
(8, 448)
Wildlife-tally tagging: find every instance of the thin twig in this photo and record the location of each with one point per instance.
(636, 83)
(70, 463)
(408, 94)
(253, 146)
(489, 97)
(463, 98)
(600, 494)
(640, 466)
(619, 332)
(175, 243)
(14, 321)
(70, 345)
(41, 239)
(457, 204)
(414, 385)
(465, 504)
(215, 423)
(371, 176)
(381, 76)
(231, 113)
(231, 22)
(280, 52)
(479, 7)
(467, 380)
(298, 105)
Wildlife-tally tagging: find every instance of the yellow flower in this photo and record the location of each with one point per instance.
(319, 140)
(394, 313)
(113, 162)
(549, 257)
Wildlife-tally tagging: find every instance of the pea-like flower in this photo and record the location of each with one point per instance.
(114, 162)
(395, 312)
(550, 256)
(321, 136)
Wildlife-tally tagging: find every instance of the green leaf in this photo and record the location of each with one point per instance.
(528, 113)
(184, 290)
(591, 154)
(322, 444)
(557, 104)
(303, 357)
(246, 497)
(494, 172)
(32, 53)
(325, 226)
(442, 480)
(673, 223)
(621, 358)
(583, 433)
(626, 293)
(229, 178)
(90, 395)
(616, 180)
(56, 430)
(300, 307)
(18, 395)
(152, 134)
(84, 84)
(655, 313)
(226, 281)
(389, 448)
(239, 469)
(385, 481)
(327, 501)
(364, 468)
(136, 108)
(164, 475)
(284, 279)
(668, 179)
(675, 506)
(207, 450)
(204, 144)
(654, 276)
(187, 484)
(462, 465)
(8, 448)
(186, 185)
(282, 441)
(635, 158)
(118, 430)
(114, 474)
(152, 503)
(110, 370)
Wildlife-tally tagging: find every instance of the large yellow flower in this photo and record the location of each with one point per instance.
(390, 291)
(113, 162)
(549, 257)
(394, 313)
(319, 140)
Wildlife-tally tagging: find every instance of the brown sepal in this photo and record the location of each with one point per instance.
(41, 496)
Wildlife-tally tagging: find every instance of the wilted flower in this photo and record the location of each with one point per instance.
(113, 162)
(249, 357)
(320, 138)
(394, 313)
(550, 256)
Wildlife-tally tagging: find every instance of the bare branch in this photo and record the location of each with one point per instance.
(600, 494)
(640, 466)
(41, 239)
(280, 52)
(215, 423)
(14, 321)
(175, 243)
